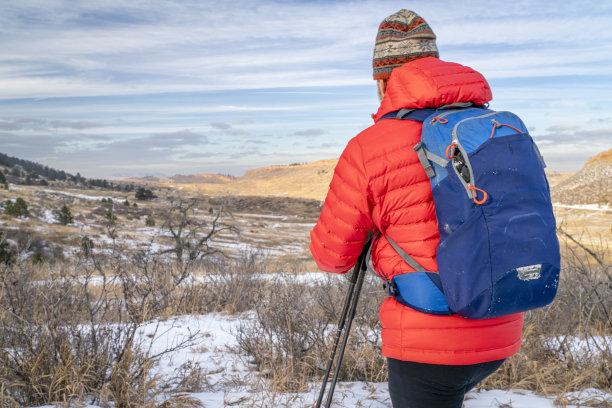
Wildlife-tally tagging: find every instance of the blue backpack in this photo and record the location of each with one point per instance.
(498, 252)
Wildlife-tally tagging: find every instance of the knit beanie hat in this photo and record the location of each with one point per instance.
(402, 37)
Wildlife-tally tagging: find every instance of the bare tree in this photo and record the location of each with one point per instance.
(192, 231)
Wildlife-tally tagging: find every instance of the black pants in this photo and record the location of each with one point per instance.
(418, 385)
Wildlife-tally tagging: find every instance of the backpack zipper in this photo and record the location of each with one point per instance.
(454, 133)
(455, 139)
(449, 112)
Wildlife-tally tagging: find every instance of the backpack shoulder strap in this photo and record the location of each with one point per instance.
(418, 115)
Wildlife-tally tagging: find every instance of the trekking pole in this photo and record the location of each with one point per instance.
(350, 306)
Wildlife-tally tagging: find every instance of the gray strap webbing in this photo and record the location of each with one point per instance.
(456, 105)
(422, 154)
(369, 258)
(435, 158)
(402, 112)
(537, 149)
(425, 157)
(407, 258)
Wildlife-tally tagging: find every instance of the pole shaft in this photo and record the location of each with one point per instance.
(350, 304)
(345, 309)
(347, 331)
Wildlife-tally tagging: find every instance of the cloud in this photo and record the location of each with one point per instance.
(257, 141)
(163, 47)
(173, 139)
(76, 125)
(177, 46)
(221, 125)
(562, 128)
(30, 143)
(309, 132)
(578, 137)
(43, 124)
(247, 153)
(141, 70)
(202, 155)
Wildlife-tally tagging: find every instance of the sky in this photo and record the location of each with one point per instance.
(120, 88)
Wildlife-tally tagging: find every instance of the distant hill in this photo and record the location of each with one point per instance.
(300, 181)
(556, 177)
(31, 167)
(591, 185)
(26, 172)
(202, 178)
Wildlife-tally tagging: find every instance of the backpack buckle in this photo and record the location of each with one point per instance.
(389, 288)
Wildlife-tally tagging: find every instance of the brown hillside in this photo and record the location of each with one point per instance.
(557, 177)
(300, 181)
(591, 185)
(202, 178)
(605, 157)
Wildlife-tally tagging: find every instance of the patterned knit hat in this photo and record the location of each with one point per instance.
(402, 37)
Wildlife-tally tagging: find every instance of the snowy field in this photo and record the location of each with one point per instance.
(228, 380)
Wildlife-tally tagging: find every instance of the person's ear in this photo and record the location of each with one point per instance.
(381, 85)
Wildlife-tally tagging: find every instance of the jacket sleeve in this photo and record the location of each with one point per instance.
(340, 233)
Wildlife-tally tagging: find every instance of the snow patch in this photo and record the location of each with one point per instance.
(588, 207)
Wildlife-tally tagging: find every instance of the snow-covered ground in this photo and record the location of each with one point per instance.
(588, 207)
(227, 380)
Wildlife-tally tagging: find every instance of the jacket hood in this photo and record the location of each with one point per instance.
(431, 83)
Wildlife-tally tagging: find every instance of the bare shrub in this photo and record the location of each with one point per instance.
(232, 285)
(289, 340)
(191, 231)
(192, 377)
(282, 338)
(46, 354)
(70, 331)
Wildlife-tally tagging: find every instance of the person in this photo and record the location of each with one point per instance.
(380, 185)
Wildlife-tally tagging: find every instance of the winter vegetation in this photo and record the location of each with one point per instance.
(191, 300)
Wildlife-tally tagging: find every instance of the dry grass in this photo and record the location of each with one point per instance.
(290, 337)
(309, 181)
(288, 345)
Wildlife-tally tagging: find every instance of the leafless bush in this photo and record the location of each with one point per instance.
(284, 334)
(191, 377)
(289, 340)
(230, 285)
(192, 231)
(70, 331)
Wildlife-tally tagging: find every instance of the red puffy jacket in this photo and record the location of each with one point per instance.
(379, 183)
